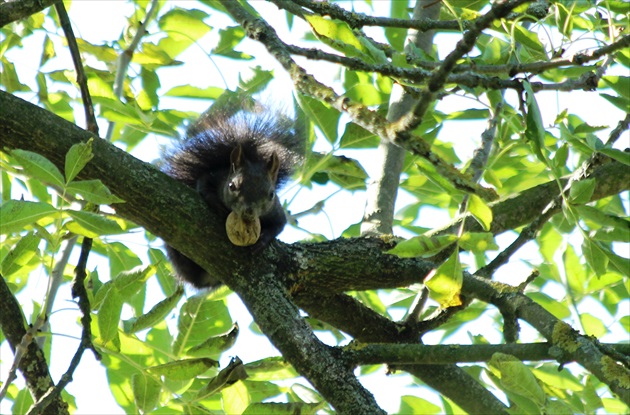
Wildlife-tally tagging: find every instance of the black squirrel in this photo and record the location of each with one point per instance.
(237, 162)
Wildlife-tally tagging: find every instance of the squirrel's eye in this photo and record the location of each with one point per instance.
(232, 186)
(271, 195)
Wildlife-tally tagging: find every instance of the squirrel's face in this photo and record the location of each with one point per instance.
(250, 188)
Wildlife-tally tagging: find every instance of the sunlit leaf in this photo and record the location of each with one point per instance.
(184, 369)
(480, 211)
(517, 378)
(92, 225)
(78, 156)
(15, 215)
(445, 283)
(39, 167)
(422, 246)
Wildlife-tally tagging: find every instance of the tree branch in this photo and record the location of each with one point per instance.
(371, 354)
(168, 208)
(261, 31)
(14, 10)
(25, 126)
(464, 46)
(378, 217)
(33, 365)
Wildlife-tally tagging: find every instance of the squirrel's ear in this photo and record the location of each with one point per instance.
(236, 157)
(273, 167)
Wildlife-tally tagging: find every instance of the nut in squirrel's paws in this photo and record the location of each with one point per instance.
(241, 231)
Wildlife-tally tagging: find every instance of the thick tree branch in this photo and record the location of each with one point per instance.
(14, 10)
(33, 364)
(367, 326)
(457, 353)
(150, 200)
(582, 349)
(168, 208)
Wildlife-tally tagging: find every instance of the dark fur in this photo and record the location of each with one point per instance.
(242, 180)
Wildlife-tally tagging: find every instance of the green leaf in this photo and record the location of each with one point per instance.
(92, 225)
(622, 103)
(346, 172)
(620, 84)
(156, 314)
(534, 128)
(478, 242)
(599, 217)
(469, 114)
(130, 282)
(620, 156)
(480, 211)
(215, 345)
(39, 167)
(21, 254)
(357, 137)
(563, 379)
(78, 156)
(257, 80)
(559, 160)
(278, 408)
(15, 215)
(189, 91)
(559, 310)
(184, 369)
(109, 315)
(595, 256)
(235, 398)
(229, 38)
(336, 34)
(530, 41)
(198, 319)
(415, 405)
(324, 117)
(445, 284)
(93, 191)
(517, 378)
(575, 273)
(593, 326)
(270, 368)
(582, 191)
(184, 28)
(422, 246)
(146, 391)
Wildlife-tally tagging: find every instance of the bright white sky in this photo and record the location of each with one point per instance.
(98, 21)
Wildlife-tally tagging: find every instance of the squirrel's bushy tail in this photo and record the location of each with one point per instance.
(211, 139)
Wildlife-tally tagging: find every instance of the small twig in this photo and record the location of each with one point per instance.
(20, 350)
(619, 129)
(531, 230)
(124, 59)
(535, 273)
(481, 155)
(64, 20)
(513, 69)
(417, 307)
(261, 31)
(464, 46)
(56, 278)
(359, 20)
(78, 290)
